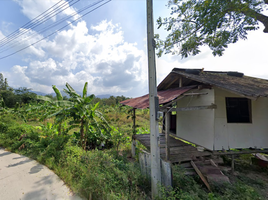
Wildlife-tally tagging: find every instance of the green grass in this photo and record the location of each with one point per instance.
(96, 174)
(108, 174)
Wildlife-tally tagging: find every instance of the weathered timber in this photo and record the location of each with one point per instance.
(170, 103)
(167, 137)
(213, 106)
(211, 172)
(233, 164)
(200, 175)
(179, 150)
(194, 94)
(241, 152)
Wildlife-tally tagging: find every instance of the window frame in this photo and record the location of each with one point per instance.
(238, 110)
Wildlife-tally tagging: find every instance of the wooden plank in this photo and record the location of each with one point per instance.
(182, 158)
(213, 106)
(241, 152)
(213, 163)
(194, 94)
(179, 151)
(181, 139)
(200, 175)
(170, 103)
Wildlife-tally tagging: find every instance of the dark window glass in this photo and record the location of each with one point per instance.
(238, 110)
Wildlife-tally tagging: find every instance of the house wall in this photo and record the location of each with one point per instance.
(197, 126)
(240, 135)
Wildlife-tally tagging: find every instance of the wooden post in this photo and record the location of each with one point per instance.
(233, 164)
(167, 127)
(134, 121)
(133, 146)
(153, 100)
(180, 85)
(200, 175)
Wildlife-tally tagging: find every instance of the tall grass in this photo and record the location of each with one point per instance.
(105, 174)
(93, 174)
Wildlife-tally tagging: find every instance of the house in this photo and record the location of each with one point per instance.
(215, 110)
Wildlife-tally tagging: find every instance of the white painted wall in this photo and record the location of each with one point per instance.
(197, 126)
(209, 128)
(240, 135)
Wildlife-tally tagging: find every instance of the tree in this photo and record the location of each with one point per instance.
(215, 23)
(24, 95)
(2, 83)
(84, 115)
(55, 106)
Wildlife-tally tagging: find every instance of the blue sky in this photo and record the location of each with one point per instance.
(107, 48)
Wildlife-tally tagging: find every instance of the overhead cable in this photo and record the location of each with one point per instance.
(38, 22)
(69, 23)
(16, 43)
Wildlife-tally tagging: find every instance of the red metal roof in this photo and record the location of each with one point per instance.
(165, 96)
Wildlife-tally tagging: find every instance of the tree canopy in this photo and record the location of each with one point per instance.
(215, 23)
(11, 96)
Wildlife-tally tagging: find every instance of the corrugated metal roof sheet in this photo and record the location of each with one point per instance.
(165, 96)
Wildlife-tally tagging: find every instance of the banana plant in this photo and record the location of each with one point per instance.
(85, 116)
(58, 108)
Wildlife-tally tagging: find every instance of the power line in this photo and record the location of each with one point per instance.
(15, 43)
(38, 22)
(55, 31)
(29, 22)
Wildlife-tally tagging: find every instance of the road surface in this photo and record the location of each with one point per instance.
(24, 179)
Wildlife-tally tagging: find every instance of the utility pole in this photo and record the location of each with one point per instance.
(154, 104)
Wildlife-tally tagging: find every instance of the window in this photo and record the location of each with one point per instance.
(238, 110)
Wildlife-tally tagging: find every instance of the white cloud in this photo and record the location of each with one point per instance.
(33, 8)
(103, 58)
(1, 35)
(248, 56)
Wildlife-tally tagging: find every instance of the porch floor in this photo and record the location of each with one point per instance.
(179, 150)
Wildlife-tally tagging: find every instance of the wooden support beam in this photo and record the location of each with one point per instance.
(212, 106)
(241, 152)
(180, 82)
(134, 121)
(213, 163)
(133, 145)
(200, 175)
(233, 163)
(170, 103)
(194, 94)
(179, 98)
(171, 82)
(167, 127)
(133, 148)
